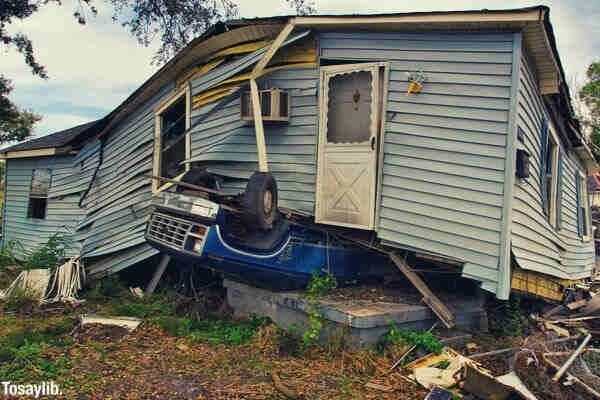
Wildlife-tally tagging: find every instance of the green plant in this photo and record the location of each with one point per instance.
(425, 339)
(321, 284)
(318, 286)
(110, 286)
(46, 255)
(20, 299)
(150, 307)
(512, 310)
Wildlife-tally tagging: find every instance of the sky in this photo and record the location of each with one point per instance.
(93, 68)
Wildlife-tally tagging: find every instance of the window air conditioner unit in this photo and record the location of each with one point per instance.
(274, 105)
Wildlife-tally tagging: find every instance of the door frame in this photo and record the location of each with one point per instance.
(381, 96)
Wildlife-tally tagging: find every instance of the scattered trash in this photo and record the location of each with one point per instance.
(438, 393)
(446, 377)
(34, 282)
(511, 379)
(137, 292)
(128, 323)
(471, 347)
(480, 382)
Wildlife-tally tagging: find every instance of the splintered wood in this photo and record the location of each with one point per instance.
(429, 298)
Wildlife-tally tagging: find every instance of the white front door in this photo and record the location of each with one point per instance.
(347, 163)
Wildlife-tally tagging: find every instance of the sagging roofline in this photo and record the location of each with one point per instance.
(533, 22)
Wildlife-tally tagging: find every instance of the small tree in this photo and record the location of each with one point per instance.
(590, 95)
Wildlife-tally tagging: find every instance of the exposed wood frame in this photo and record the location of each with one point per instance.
(156, 160)
(285, 32)
(443, 313)
(259, 130)
(510, 165)
(509, 16)
(52, 151)
(261, 147)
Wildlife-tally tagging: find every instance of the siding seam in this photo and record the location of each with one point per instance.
(504, 283)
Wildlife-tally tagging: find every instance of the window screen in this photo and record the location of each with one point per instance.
(349, 108)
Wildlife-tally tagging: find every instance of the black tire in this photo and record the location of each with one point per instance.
(199, 177)
(260, 202)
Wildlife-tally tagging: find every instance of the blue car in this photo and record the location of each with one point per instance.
(272, 252)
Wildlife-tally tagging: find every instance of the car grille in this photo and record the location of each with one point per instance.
(168, 230)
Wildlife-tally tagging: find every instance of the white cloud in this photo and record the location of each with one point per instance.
(93, 68)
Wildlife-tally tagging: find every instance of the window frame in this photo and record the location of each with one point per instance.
(156, 161)
(552, 201)
(584, 203)
(38, 196)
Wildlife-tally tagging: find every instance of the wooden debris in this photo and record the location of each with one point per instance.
(553, 311)
(481, 383)
(592, 306)
(576, 304)
(456, 339)
(427, 361)
(428, 297)
(383, 388)
(471, 347)
(557, 329)
(509, 349)
(572, 358)
(279, 386)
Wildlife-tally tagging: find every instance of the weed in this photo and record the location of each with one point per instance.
(425, 339)
(226, 332)
(143, 308)
(318, 286)
(321, 284)
(514, 323)
(20, 300)
(108, 287)
(46, 255)
(444, 364)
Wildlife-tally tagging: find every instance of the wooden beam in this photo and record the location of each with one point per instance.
(441, 17)
(430, 299)
(31, 153)
(263, 165)
(285, 32)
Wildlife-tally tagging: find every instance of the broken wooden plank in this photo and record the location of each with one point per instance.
(429, 298)
(516, 348)
(571, 358)
(553, 311)
(576, 304)
(557, 329)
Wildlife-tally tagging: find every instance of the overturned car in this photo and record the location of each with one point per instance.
(247, 238)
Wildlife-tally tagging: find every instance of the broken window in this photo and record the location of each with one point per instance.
(349, 116)
(172, 122)
(41, 179)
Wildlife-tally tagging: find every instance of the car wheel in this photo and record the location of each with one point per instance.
(260, 201)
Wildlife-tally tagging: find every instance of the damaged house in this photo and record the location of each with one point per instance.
(446, 134)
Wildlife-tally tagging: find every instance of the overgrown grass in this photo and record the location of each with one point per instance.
(234, 332)
(25, 354)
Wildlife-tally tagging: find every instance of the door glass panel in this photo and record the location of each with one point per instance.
(349, 108)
